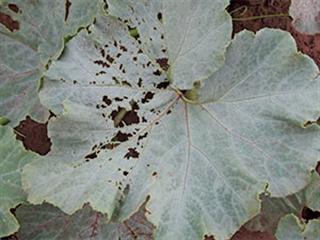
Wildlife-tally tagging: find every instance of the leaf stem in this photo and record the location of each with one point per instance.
(260, 17)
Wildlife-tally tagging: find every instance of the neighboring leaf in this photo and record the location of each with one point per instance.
(37, 34)
(46, 222)
(273, 209)
(193, 35)
(124, 134)
(13, 158)
(313, 193)
(291, 228)
(306, 15)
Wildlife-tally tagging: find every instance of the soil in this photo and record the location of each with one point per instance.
(34, 135)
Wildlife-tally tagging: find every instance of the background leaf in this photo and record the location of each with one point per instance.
(306, 15)
(291, 228)
(36, 34)
(13, 159)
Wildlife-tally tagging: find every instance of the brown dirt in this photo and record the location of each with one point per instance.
(34, 136)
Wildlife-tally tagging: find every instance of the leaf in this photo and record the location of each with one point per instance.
(313, 193)
(13, 158)
(193, 35)
(291, 228)
(38, 35)
(273, 209)
(306, 15)
(46, 222)
(123, 135)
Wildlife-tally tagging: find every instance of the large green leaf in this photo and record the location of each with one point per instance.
(36, 35)
(291, 228)
(13, 158)
(193, 35)
(46, 222)
(203, 159)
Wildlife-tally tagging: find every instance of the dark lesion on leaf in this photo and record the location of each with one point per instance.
(102, 63)
(309, 123)
(8, 22)
(107, 100)
(121, 137)
(159, 16)
(67, 11)
(132, 153)
(91, 156)
(147, 97)
(13, 7)
(163, 85)
(163, 62)
(122, 117)
(208, 237)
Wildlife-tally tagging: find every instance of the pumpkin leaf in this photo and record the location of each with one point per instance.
(13, 158)
(189, 35)
(46, 222)
(291, 228)
(125, 132)
(33, 34)
(306, 15)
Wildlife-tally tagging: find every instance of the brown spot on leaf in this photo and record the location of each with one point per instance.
(142, 136)
(208, 237)
(157, 72)
(8, 22)
(91, 155)
(123, 48)
(159, 16)
(123, 117)
(103, 53)
(110, 59)
(147, 97)
(110, 145)
(67, 5)
(163, 62)
(308, 123)
(162, 85)
(34, 136)
(132, 153)
(131, 117)
(125, 173)
(102, 63)
(107, 100)
(13, 7)
(121, 137)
